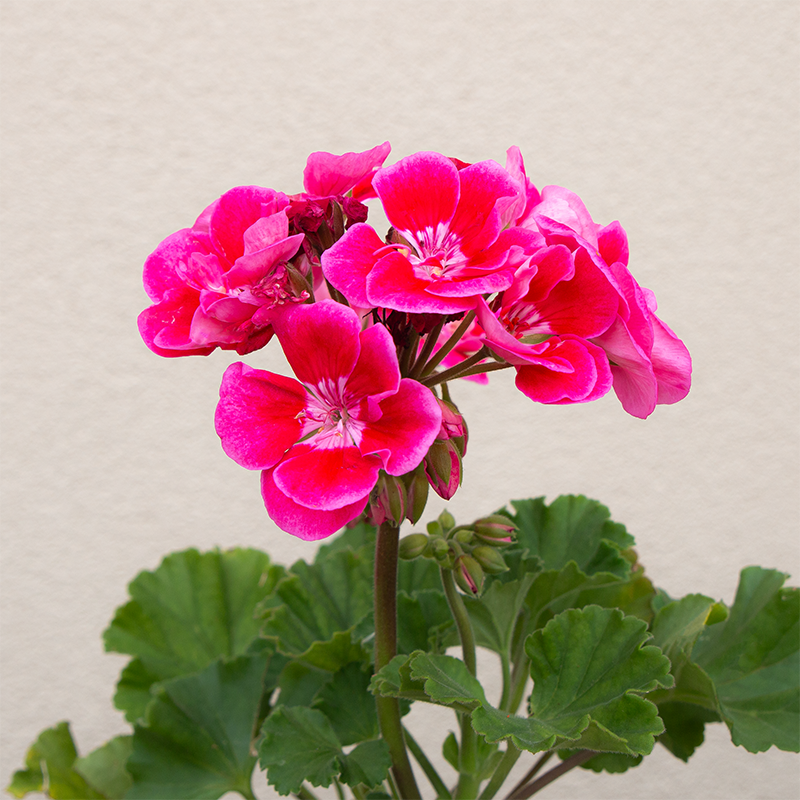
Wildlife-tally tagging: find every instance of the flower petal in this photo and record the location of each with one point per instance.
(305, 523)
(377, 372)
(320, 341)
(347, 264)
(257, 415)
(327, 175)
(409, 422)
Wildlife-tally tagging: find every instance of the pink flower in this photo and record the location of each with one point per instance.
(650, 365)
(215, 283)
(322, 440)
(448, 244)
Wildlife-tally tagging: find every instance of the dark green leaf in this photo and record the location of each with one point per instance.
(50, 768)
(395, 680)
(346, 702)
(684, 727)
(326, 610)
(424, 621)
(361, 535)
(572, 528)
(134, 689)
(609, 762)
(191, 610)
(299, 684)
(418, 575)
(494, 615)
(198, 729)
(368, 764)
(105, 768)
(299, 744)
(753, 658)
(585, 664)
(447, 680)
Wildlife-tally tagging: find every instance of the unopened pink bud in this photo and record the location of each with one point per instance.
(495, 530)
(443, 468)
(469, 575)
(388, 500)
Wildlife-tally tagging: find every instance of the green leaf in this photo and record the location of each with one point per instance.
(418, 575)
(424, 622)
(299, 744)
(49, 768)
(608, 762)
(299, 684)
(346, 702)
(753, 659)
(447, 680)
(191, 610)
(368, 763)
(105, 768)
(134, 689)
(325, 612)
(361, 535)
(494, 615)
(198, 729)
(394, 680)
(572, 528)
(585, 664)
(684, 727)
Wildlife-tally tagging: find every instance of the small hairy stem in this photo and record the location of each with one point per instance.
(385, 650)
(339, 790)
(459, 370)
(518, 681)
(506, 695)
(531, 773)
(442, 792)
(551, 775)
(468, 751)
(448, 345)
(427, 349)
(501, 771)
(407, 356)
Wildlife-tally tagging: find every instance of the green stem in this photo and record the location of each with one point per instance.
(470, 366)
(531, 773)
(436, 359)
(506, 695)
(339, 790)
(501, 771)
(438, 784)
(468, 784)
(358, 792)
(565, 766)
(305, 793)
(385, 650)
(427, 349)
(407, 358)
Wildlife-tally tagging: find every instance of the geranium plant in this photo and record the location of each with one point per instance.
(243, 670)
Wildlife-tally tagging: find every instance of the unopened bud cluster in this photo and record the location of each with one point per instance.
(470, 551)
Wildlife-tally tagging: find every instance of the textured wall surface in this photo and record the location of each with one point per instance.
(122, 120)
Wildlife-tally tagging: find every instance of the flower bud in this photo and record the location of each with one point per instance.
(443, 468)
(441, 552)
(412, 546)
(490, 560)
(416, 484)
(435, 528)
(447, 520)
(469, 575)
(388, 500)
(453, 426)
(495, 530)
(464, 536)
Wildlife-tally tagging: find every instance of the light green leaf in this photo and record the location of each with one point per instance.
(134, 689)
(50, 768)
(368, 763)
(325, 610)
(572, 528)
(360, 536)
(346, 702)
(447, 680)
(494, 615)
(753, 659)
(394, 680)
(191, 610)
(195, 742)
(585, 664)
(105, 768)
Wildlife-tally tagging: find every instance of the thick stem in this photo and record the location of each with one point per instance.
(468, 784)
(385, 650)
(565, 766)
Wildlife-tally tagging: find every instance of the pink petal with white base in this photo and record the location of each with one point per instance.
(257, 415)
(320, 341)
(376, 373)
(326, 477)
(410, 421)
(305, 523)
(328, 175)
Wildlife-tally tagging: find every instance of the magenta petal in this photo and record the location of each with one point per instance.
(327, 175)
(546, 386)
(252, 267)
(266, 231)
(410, 422)
(377, 372)
(347, 264)
(419, 192)
(326, 477)
(672, 364)
(165, 327)
(393, 284)
(612, 243)
(161, 267)
(320, 341)
(567, 208)
(256, 416)
(305, 523)
(236, 211)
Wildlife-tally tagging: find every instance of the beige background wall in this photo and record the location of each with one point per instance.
(122, 120)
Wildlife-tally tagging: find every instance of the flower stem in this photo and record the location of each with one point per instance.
(449, 344)
(438, 784)
(565, 766)
(531, 773)
(385, 650)
(501, 771)
(468, 784)
(427, 349)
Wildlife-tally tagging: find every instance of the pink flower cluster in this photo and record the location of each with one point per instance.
(478, 271)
